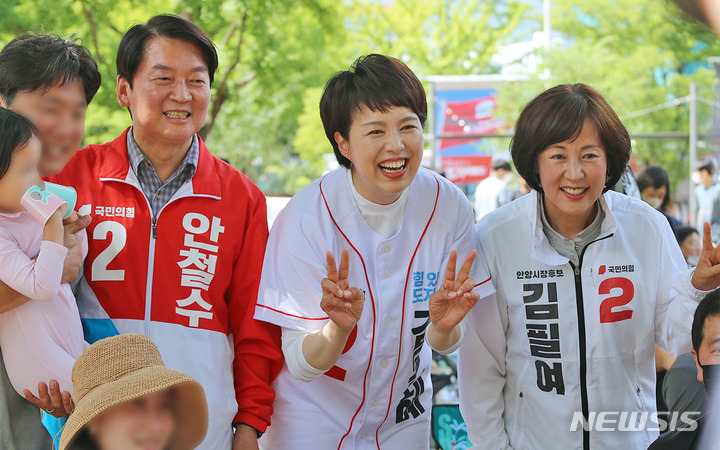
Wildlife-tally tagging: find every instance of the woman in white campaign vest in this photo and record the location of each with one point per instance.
(357, 372)
(588, 281)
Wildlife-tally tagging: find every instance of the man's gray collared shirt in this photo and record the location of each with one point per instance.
(157, 193)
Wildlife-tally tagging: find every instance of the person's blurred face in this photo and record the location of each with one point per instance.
(654, 196)
(691, 247)
(504, 175)
(573, 175)
(170, 94)
(385, 149)
(709, 351)
(22, 173)
(705, 177)
(145, 423)
(59, 116)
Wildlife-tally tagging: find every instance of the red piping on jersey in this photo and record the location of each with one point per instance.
(483, 282)
(372, 303)
(293, 315)
(402, 320)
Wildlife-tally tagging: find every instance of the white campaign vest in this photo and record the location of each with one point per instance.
(575, 339)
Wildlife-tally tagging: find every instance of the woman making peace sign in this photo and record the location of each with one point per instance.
(357, 370)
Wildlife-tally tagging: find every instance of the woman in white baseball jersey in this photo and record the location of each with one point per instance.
(357, 372)
(588, 281)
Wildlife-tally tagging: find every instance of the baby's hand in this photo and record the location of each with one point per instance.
(57, 216)
(53, 230)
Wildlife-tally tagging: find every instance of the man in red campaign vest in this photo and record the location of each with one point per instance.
(177, 237)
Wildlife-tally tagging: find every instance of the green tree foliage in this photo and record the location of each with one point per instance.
(276, 55)
(638, 54)
(268, 52)
(271, 51)
(432, 37)
(100, 24)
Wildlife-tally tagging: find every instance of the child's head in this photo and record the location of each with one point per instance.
(374, 116)
(19, 156)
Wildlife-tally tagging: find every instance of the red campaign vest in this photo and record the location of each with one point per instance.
(192, 233)
(191, 274)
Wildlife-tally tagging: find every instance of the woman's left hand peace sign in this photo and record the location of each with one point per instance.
(449, 305)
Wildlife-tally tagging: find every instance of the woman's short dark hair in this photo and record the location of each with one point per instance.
(655, 177)
(15, 132)
(133, 45)
(558, 115)
(40, 62)
(376, 82)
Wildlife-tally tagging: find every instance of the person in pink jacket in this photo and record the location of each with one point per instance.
(41, 338)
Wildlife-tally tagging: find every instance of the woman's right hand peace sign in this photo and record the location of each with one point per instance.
(451, 303)
(341, 302)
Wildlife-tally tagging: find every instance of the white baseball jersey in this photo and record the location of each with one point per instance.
(379, 392)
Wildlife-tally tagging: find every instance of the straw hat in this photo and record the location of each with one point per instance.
(121, 368)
